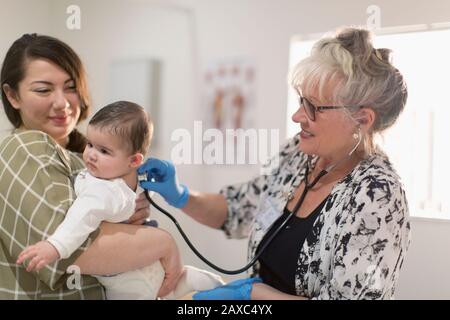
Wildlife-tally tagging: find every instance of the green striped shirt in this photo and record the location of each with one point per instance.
(36, 190)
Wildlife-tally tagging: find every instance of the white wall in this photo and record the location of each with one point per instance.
(16, 18)
(192, 33)
(425, 274)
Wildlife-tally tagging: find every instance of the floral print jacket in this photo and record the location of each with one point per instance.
(359, 240)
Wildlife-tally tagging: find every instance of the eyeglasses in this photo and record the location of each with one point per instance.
(311, 109)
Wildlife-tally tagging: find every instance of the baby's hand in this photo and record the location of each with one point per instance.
(141, 212)
(40, 255)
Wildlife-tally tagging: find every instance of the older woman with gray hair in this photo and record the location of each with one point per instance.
(330, 220)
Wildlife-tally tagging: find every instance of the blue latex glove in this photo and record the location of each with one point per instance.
(236, 290)
(162, 178)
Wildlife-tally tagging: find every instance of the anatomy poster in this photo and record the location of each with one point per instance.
(229, 94)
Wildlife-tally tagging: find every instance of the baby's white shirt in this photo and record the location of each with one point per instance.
(97, 200)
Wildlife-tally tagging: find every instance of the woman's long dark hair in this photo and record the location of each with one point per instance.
(33, 46)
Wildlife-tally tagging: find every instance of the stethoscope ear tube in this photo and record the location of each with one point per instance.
(261, 250)
(191, 246)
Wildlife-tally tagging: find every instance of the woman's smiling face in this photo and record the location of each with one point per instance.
(47, 100)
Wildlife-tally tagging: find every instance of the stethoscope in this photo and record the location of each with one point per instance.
(275, 233)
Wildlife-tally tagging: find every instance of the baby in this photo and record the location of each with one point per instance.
(118, 137)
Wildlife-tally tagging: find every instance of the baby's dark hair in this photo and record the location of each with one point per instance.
(128, 121)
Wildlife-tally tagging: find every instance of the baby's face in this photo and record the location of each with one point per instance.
(105, 156)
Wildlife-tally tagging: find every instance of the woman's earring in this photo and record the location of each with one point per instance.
(356, 135)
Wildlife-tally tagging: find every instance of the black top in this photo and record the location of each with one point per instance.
(278, 262)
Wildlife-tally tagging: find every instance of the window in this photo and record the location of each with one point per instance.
(418, 144)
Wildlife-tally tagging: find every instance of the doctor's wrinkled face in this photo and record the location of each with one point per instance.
(106, 155)
(329, 135)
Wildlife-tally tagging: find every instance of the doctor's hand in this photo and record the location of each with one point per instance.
(162, 178)
(237, 290)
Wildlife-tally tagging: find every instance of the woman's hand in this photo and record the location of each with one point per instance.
(142, 211)
(40, 255)
(173, 270)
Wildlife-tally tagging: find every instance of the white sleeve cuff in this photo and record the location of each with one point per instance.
(63, 252)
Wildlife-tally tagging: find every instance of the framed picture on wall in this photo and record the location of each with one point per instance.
(228, 95)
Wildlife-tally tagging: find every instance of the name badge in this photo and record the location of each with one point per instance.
(267, 214)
